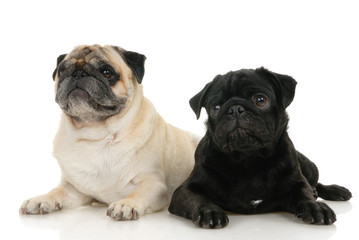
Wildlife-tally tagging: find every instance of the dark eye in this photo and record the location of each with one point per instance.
(215, 110)
(107, 73)
(260, 100)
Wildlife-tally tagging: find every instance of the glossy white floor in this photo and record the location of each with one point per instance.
(91, 223)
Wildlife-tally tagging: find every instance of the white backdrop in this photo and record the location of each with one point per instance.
(186, 43)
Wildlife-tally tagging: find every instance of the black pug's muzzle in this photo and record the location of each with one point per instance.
(86, 95)
(239, 127)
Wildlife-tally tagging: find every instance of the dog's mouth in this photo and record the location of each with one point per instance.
(241, 139)
(87, 105)
(79, 95)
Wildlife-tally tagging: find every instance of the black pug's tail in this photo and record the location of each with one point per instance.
(333, 192)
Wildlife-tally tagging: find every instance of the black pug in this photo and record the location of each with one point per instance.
(246, 162)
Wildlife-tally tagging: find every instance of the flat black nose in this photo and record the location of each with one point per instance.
(79, 74)
(236, 110)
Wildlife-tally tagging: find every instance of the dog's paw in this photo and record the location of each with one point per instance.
(210, 217)
(125, 209)
(333, 192)
(316, 213)
(40, 205)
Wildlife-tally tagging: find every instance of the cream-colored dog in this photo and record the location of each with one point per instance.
(112, 146)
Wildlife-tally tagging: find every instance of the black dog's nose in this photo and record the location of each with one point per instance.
(236, 109)
(79, 74)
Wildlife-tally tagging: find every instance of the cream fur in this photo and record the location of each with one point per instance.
(132, 161)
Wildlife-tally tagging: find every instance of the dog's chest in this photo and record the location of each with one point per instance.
(254, 188)
(248, 194)
(102, 169)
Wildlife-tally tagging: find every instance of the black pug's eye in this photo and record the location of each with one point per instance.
(260, 100)
(215, 110)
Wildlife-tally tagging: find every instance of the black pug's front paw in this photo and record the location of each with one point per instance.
(210, 217)
(317, 213)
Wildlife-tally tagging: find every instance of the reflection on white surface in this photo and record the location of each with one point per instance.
(92, 223)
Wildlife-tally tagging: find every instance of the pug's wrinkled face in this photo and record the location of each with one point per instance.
(95, 82)
(246, 108)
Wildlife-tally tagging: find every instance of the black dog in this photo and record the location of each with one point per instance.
(246, 162)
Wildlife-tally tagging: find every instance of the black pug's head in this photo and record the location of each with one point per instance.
(246, 108)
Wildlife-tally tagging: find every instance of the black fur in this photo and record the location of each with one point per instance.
(246, 162)
(136, 62)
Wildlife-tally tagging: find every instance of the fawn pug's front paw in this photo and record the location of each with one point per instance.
(125, 209)
(40, 205)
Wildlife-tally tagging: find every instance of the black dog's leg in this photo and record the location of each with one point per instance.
(302, 203)
(333, 192)
(309, 169)
(327, 192)
(203, 213)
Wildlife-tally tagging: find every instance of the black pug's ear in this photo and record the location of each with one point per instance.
(287, 86)
(198, 100)
(59, 60)
(136, 62)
